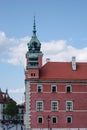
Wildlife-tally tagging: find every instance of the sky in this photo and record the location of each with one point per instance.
(61, 28)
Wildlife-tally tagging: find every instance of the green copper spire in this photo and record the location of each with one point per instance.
(34, 44)
(34, 28)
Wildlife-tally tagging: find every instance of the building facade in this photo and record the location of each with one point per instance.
(55, 93)
(4, 98)
(20, 116)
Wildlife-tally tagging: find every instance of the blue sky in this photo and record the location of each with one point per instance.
(61, 28)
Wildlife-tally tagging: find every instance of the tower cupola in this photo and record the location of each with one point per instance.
(34, 45)
(33, 56)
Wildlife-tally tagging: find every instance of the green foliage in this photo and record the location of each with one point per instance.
(11, 109)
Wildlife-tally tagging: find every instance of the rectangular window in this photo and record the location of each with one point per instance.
(54, 119)
(54, 105)
(40, 120)
(69, 105)
(39, 105)
(39, 88)
(69, 119)
(54, 88)
(68, 88)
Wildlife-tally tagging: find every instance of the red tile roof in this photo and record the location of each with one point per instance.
(63, 71)
(1, 96)
(4, 98)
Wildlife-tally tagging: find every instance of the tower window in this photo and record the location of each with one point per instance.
(32, 74)
(33, 64)
(69, 119)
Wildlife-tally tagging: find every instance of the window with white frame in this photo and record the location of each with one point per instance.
(54, 88)
(39, 105)
(54, 105)
(39, 88)
(69, 105)
(69, 119)
(40, 120)
(68, 88)
(54, 119)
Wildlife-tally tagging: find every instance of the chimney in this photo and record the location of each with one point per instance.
(73, 63)
(47, 60)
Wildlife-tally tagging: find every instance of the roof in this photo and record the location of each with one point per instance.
(21, 105)
(34, 44)
(1, 96)
(4, 97)
(63, 71)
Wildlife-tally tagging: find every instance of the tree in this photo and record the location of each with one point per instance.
(11, 109)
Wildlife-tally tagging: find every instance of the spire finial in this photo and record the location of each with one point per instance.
(34, 28)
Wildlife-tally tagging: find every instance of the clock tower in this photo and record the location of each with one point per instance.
(33, 56)
(33, 66)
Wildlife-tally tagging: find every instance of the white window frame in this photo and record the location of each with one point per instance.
(52, 88)
(56, 119)
(69, 108)
(52, 105)
(68, 85)
(39, 105)
(67, 119)
(38, 119)
(39, 85)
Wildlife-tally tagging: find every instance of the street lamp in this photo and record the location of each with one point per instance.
(48, 119)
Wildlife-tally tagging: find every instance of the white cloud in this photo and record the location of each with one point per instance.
(14, 50)
(3, 42)
(17, 90)
(17, 54)
(17, 94)
(62, 51)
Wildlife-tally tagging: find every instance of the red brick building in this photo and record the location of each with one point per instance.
(4, 99)
(55, 93)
